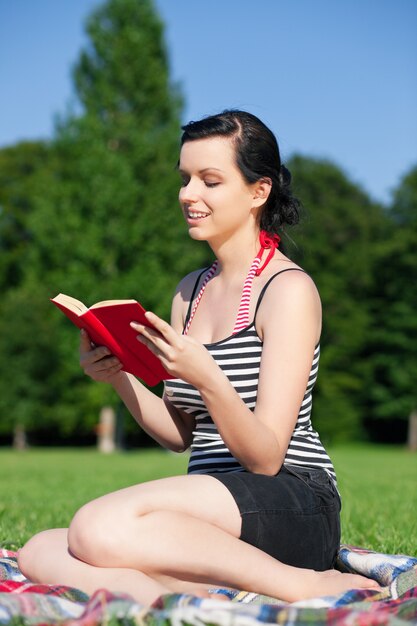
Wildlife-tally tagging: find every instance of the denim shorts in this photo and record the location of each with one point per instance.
(293, 516)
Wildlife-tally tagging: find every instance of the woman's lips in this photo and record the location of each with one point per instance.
(195, 216)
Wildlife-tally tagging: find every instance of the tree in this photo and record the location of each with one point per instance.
(393, 341)
(105, 221)
(335, 243)
(111, 203)
(19, 165)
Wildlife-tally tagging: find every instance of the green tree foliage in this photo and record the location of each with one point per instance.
(104, 220)
(335, 243)
(94, 214)
(25, 350)
(19, 165)
(110, 205)
(393, 341)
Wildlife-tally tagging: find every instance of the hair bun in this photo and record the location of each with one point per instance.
(284, 176)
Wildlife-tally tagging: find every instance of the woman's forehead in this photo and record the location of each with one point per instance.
(211, 152)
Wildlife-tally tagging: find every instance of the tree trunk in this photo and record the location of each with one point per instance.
(106, 430)
(412, 432)
(19, 437)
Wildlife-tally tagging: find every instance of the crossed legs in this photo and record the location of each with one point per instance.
(178, 534)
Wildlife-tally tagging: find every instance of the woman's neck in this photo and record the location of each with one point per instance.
(236, 254)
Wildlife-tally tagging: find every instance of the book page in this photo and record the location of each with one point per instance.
(74, 305)
(97, 305)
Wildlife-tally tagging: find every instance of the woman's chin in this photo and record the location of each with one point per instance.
(197, 233)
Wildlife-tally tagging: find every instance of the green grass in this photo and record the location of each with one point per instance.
(378, 485)
(43, 488)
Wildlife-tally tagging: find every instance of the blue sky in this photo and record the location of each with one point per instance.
(333, 78)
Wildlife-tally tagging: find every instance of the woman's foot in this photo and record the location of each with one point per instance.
(330, 583)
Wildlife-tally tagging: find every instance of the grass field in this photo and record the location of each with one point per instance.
(43, 488)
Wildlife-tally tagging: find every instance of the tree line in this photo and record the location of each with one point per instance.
(93, 213)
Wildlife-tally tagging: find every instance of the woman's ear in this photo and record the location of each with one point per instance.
(261, 190)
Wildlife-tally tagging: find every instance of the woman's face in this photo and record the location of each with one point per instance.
(215, 199)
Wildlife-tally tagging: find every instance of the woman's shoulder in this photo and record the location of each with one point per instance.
(182, 297)
(187, 284)
(283, 270)
(290, 299)
(291, 280)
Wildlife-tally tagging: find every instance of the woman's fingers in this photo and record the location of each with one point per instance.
(91, 355)
(85, 341)
(183, 357)
(161, 325)
(160, 330)
(102, 369)
(98, 363)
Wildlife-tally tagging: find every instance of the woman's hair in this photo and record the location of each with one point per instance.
(257, 157)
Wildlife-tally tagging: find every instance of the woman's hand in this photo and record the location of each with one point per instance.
(98, 363)
(181, 356)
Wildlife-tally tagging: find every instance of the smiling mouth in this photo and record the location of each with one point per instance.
(196, 215)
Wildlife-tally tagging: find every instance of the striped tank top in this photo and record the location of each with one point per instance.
(239, 356)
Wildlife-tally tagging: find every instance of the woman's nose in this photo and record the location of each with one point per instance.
(189, 192)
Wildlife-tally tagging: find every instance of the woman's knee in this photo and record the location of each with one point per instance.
(32, 555)
(26, 558)
(90, 536)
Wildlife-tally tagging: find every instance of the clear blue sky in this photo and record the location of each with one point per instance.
(332, 78)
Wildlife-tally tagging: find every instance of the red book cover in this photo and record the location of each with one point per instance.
(108, 324)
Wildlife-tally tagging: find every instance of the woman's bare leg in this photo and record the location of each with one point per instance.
(46, 559)
(186, 528)
(187, 548)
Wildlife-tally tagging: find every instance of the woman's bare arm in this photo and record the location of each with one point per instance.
(170, 427)
(289, 321)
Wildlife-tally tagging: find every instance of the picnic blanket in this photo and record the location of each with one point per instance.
(23, 602)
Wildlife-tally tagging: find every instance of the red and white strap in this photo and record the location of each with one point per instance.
(242, 319)
(208, 276)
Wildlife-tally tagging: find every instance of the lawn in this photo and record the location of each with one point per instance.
(43, 488)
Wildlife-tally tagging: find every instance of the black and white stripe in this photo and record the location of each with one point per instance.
(239, 356)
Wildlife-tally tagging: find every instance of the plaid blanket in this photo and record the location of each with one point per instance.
(22, 602)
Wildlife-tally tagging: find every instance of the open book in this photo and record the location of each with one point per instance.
(108, 324)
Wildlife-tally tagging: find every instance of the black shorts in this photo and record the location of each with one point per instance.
(293, 516)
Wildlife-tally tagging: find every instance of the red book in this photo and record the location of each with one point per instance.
(108, 324)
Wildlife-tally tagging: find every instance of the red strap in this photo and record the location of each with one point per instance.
(267, 241)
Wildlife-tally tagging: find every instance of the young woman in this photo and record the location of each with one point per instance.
(259, 508)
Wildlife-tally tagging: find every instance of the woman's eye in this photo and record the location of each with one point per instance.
(208, 183)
